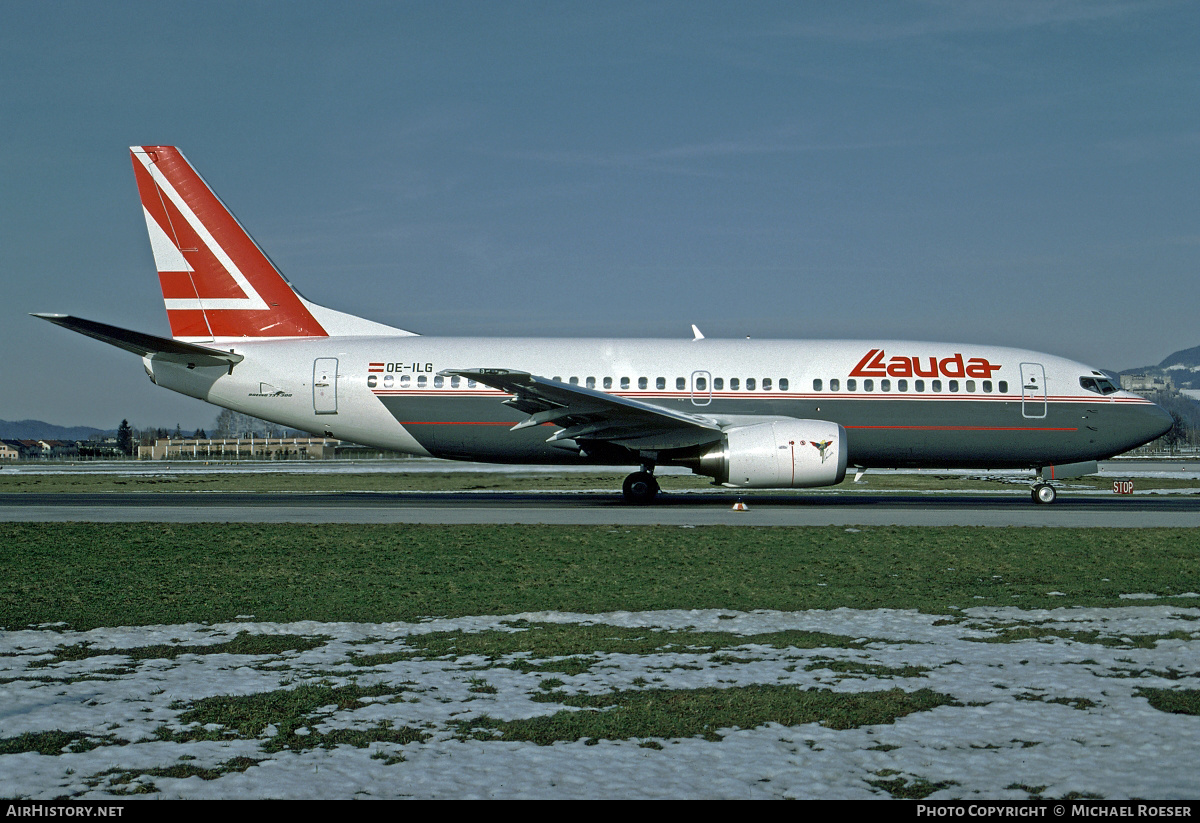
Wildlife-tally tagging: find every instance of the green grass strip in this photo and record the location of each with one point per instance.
(242, 643)
(121, 778)
(291, 712)
(56, 742)
(546, 640)
(901, 788)
(90, 575)
(1173, 701)
(1142, 641)
(682, 713)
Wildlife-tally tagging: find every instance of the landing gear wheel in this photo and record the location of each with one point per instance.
(1043, 493)
(640, 488)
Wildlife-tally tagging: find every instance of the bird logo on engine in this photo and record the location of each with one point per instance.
(822, 448)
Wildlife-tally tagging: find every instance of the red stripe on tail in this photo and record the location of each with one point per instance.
(216, 281)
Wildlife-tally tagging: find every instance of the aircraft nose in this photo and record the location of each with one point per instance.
(1158, 421)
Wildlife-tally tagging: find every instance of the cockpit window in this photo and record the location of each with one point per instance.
(1099, 385)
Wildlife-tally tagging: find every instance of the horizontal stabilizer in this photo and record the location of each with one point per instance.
(146, 344)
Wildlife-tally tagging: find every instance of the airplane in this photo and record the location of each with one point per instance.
(750, 414)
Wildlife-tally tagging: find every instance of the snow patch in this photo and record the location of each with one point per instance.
(1061, 709)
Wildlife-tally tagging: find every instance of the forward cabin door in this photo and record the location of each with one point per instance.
(1033, 390)
(325, 371)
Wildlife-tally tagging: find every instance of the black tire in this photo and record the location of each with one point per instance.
(640, 488)
(1044, 494)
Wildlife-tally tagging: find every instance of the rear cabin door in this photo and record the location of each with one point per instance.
(325, 385)
(1033, 390)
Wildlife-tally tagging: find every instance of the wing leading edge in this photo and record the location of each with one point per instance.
(588, 414)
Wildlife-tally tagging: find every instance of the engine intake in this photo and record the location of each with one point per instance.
(779, 454)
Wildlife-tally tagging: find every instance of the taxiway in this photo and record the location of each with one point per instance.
(591, 508)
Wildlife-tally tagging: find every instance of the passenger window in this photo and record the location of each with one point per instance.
(919, 385)
(901, 385)
(937, 385)
(591, 382)
(680, 383)
(455, 382)
(734, 384)
(971, 385)
(750, 384)
(766, 384)
(557, 378)
(987, 386)
(783, 384)
(868, 385)
(388, 380)
(817, 384)
(470, 384)
(1003, 387)
(885, 385)
(624, 382)
(953, 385)
(438, 381)
(718, 383)
(608, 382)
(421, 381)
(660, 382)
(574, 381)
(834, 384)
(701, 384)
(404, 381)
(851, 385)
(643, 382)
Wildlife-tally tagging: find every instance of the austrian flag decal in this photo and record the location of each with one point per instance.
(874, 364)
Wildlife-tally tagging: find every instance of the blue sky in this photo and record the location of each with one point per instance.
(1020, 173)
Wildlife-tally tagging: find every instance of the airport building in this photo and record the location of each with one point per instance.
(269, 448)
(35, 449)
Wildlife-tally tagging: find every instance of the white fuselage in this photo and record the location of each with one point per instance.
(902, 403)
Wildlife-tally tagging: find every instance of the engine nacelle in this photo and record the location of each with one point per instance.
(778, 454)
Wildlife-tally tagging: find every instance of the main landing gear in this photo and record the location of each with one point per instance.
(1043, 493)
(640, 488)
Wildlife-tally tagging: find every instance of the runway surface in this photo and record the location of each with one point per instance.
(592, 508)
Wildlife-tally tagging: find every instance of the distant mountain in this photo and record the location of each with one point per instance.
(38, 430)
(1189, 357)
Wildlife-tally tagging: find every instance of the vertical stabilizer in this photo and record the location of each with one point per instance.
(216, 281)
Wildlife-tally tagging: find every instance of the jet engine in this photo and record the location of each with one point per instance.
(778, 454)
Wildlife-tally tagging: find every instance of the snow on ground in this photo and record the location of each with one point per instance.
(1054, 714)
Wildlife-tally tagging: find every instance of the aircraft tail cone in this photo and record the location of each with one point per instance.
(740, 506)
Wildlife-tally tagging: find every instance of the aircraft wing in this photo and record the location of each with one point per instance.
(146, 344)
(587, 414)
